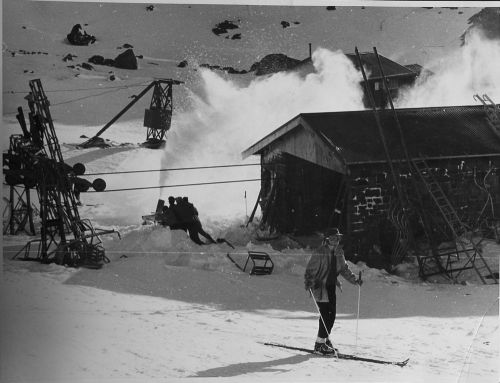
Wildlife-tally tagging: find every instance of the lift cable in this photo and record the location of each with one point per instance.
(178, 185)
(170, 169)
(81, 89)
(107, 90)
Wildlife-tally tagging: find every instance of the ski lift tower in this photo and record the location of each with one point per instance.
(157, 119)
(34, 160)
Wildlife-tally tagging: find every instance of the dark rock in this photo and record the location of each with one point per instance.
(150, 8)
(296, 22)
(112, 77)
(140, 56)
(274, 63)
(126, 60)
(204, 66)
(87, 66)
(182, 64)
(109, 62)
(68, 57)
(219, 31)
(227, 25)
(71, 66)
(98, 60)
(224, 27)
(331, 8)
(236, 36)
(285, 24)
(126, 46)
(24, 27)
(78, 36)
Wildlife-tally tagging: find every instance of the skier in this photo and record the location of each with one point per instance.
(320, 278)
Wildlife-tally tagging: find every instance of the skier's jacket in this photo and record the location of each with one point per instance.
(321, 273)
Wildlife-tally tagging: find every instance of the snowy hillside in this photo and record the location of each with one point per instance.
(166, 309)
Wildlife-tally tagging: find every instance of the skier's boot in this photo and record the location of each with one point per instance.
(329, 344)
(323, 349)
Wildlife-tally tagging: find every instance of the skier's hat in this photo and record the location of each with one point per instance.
(333, 232)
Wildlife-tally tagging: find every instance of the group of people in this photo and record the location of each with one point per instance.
(180, 214)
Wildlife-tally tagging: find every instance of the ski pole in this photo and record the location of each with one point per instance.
(246, 207)
(357, 316)
(319, 312)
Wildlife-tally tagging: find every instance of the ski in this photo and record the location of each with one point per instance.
(342, 356)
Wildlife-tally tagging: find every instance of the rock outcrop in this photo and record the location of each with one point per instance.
(126, 60)
(273, 63)
(487, 21)
(223, 27)
(78, 36)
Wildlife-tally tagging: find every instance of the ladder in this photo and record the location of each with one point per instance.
(471, 250)
(492, 112)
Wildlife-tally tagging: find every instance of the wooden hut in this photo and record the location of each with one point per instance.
(333, 169)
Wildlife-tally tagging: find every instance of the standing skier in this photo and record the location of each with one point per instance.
(321, 278)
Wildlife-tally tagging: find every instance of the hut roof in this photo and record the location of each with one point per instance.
(443, 132)
(369, 60)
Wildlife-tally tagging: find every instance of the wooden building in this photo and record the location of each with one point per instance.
(398, 76)
(331, 169)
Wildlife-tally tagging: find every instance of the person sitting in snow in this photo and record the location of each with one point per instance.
(320, 278)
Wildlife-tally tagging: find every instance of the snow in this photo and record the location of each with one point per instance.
(165, 309)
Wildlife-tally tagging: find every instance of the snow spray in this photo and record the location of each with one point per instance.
(229, 117)
(456, 78)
